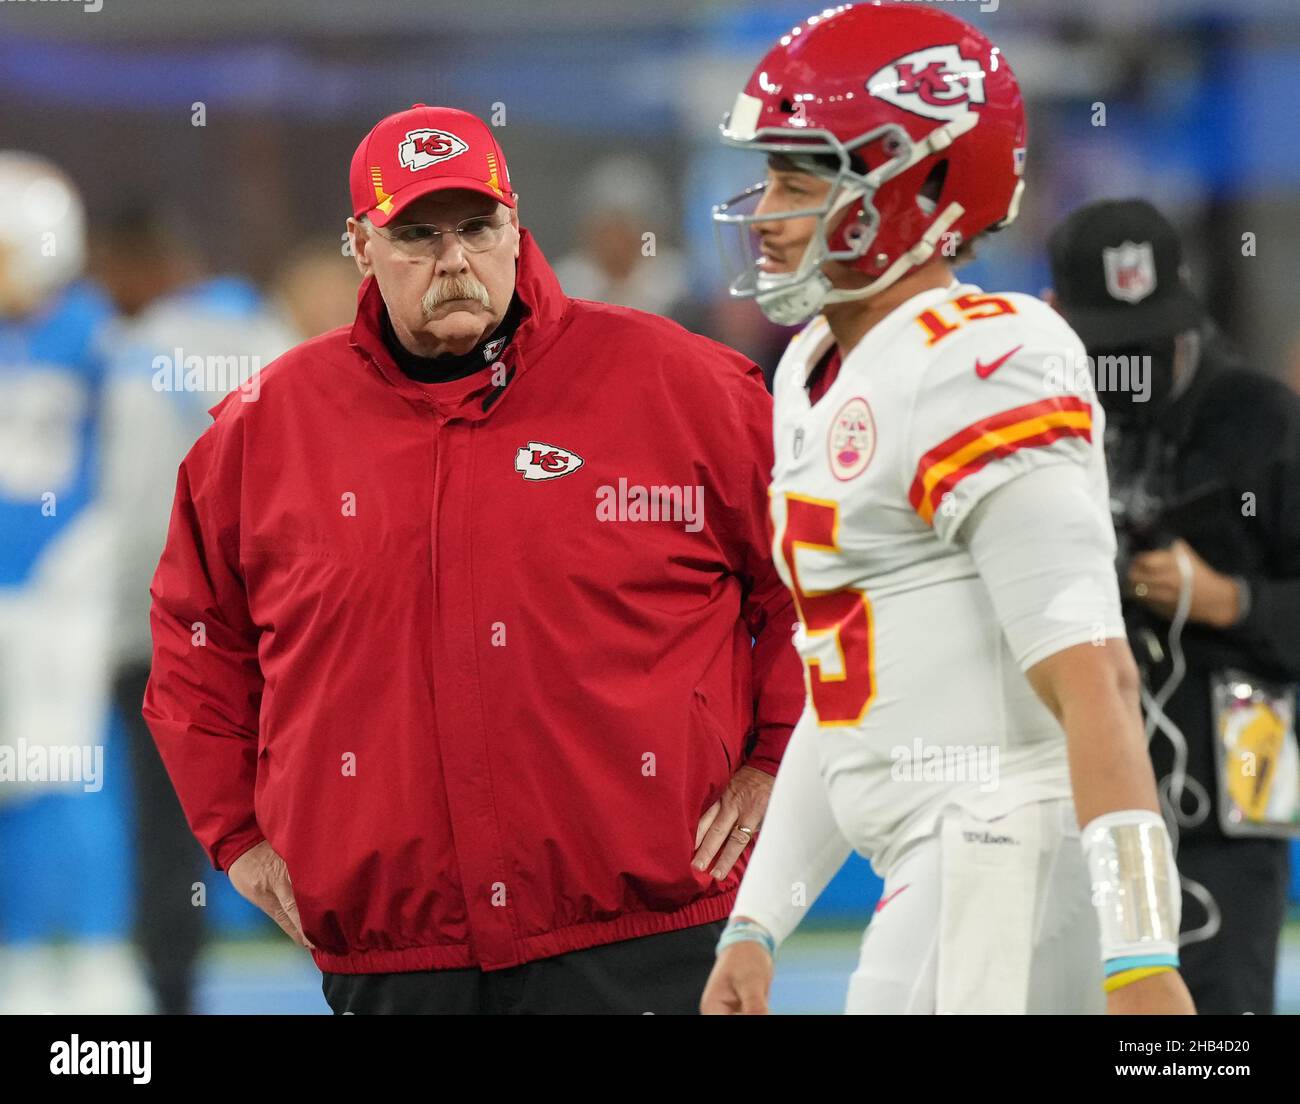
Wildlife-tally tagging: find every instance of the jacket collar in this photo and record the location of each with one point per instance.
(546, 308)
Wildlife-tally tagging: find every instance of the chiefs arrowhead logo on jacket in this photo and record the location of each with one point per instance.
(541, 461)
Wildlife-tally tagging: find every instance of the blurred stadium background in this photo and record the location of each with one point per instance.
(608, 112)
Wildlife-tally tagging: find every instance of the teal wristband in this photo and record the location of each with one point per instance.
(746, 931)
(1134, 962)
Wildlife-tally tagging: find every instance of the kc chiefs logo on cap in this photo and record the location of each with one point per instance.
(541, 461)
(422, 148)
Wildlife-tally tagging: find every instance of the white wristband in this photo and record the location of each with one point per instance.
(746, 931)
(1135, 885)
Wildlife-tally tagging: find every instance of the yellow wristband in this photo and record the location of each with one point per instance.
(1128, 977)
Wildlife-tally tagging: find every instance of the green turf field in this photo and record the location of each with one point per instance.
(812, 974)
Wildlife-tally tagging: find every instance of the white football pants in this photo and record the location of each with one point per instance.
(985, 916)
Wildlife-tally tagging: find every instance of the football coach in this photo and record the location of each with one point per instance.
(470, 664)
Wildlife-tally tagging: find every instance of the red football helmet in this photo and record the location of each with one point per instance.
(914, 117)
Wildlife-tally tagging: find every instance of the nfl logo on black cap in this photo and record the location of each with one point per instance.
(1117, 274)
(1130, 271)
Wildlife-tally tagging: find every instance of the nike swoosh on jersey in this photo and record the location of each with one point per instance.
(986, 370)
(885, 900)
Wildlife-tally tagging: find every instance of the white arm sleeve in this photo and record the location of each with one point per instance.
(1045, 548)
(799, 848)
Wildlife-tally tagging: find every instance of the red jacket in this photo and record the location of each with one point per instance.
(477, 721)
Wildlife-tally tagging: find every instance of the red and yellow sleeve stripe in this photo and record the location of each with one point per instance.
(965, 452)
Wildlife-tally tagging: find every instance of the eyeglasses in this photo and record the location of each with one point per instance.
(422, 239)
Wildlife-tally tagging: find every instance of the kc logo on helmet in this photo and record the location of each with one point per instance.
(936, 82)
(541, 461)
(422, 148)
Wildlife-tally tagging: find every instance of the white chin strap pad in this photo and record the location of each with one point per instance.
(790, 304)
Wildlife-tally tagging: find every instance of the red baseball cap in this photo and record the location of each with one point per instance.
(422, 150)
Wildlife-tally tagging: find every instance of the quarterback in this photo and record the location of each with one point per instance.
(939, 510)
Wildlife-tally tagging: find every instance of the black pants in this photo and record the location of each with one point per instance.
(1234, 971)
(655, 973)
(168, 928)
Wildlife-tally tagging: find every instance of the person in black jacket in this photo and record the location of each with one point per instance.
(1204, 461)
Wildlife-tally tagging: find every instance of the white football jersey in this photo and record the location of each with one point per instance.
(917, 699)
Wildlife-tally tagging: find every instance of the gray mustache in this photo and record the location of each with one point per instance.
(454, 287)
